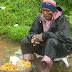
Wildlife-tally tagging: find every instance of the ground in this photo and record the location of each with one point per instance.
(8, 47)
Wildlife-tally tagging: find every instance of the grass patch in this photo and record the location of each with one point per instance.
(15, 33)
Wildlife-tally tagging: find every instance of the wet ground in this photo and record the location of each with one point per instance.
(8, 48)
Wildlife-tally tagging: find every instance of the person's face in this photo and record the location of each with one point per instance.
(47, 13)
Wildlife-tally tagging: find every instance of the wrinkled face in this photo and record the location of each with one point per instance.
(47, 13)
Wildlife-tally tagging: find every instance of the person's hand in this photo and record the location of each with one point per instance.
(36, 39)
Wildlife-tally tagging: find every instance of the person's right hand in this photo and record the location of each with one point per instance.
(36, 39)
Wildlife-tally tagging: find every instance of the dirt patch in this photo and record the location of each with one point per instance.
(5, 44)
(7, 48)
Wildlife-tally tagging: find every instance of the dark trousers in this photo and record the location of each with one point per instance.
(51, 48)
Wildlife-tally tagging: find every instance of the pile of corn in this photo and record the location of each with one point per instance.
(21, 65)
(8, 66)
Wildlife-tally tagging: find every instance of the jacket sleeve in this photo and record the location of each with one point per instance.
(35, 28)
(63, 30)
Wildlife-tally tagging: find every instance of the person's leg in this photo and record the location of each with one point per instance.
(28, 48)
(28, 51)
(50, 53)
(53, 49)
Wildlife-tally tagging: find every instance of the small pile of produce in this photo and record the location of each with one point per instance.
(23, 65)
(8, 66)
(20, 65)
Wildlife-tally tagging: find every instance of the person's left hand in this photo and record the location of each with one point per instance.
(36, 39)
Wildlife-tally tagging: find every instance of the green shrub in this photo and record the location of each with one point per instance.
(15, 33)
(18, 33)
(19, 11)
(69, 17)
(4, 30)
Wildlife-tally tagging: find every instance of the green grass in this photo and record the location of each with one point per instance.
(19, 11)
(15, 33)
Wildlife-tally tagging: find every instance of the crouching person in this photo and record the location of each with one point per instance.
(49, 36)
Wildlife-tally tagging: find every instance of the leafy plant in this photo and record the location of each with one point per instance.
(15, 33)
(18, 33)
(19, 11)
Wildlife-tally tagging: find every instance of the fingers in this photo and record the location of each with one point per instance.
(33, 40)
(38, 37)
(35, 44)
(34, 36)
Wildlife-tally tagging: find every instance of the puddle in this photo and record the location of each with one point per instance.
(8, 48)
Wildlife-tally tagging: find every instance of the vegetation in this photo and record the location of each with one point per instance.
(23, 13)
(15, 33)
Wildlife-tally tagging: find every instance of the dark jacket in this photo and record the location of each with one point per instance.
(59, 29)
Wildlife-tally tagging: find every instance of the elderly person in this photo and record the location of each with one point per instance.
(48, 36)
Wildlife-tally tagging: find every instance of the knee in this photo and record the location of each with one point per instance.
(24, 41)
(52, 41)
